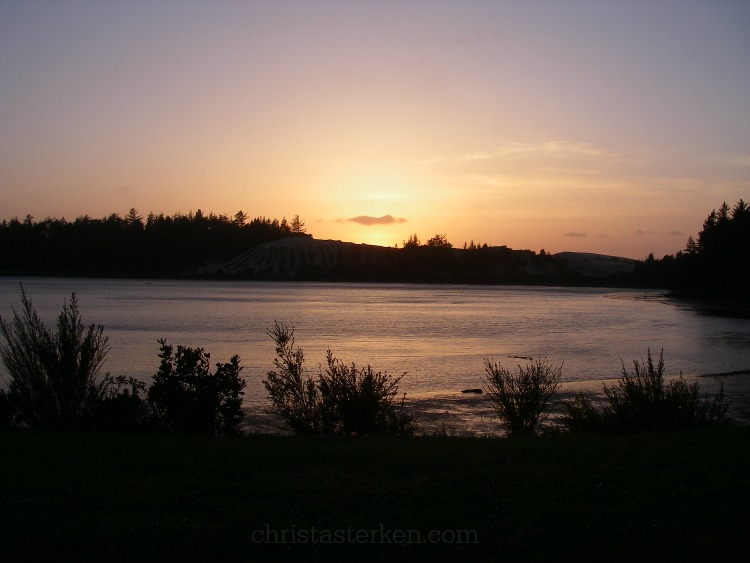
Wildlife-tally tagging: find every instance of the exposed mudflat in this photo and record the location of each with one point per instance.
(472, 414)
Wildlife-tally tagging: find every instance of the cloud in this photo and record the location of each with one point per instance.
(384, 220)
(559, 149)
(642, 232)
(740, 160)
(676, 234)
(499, 181)
(570, 170)
(576, 235)
(478, 156)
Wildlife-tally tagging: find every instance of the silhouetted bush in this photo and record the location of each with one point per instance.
(53, 375)
(581, 415)
(124, 407)
(343, 400)
(521, 400)
(291, 390)
(360, 401)
(642, 401)
(186, 397)
(6, 410)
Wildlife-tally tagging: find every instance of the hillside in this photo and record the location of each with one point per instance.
(597, 264)
(199, 246)
(295, 257)
(305, 258)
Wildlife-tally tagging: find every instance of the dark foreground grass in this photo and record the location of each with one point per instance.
(117, 497)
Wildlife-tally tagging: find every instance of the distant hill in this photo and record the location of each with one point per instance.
(199, 245)
(306, 258)
(303, 257)
(590, 264)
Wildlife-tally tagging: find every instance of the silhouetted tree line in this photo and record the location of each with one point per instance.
(438, 261)
(716, 264)
(488, 264)
(438, 241)
(160, 245)
(191, 245)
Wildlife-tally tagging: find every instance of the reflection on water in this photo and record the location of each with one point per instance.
(438, 334)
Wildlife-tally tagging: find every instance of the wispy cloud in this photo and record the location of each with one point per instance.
(574, 234)
(571, 171)
(492, 180)
(431, 160)
(562, 148)
(740, 160)
(554, 149)
(367, 220)
(478, 156)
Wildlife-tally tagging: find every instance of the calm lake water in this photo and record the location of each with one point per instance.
(438, 334)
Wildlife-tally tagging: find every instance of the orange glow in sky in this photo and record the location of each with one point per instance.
(610, 127)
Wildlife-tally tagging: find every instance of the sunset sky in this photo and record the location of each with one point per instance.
(596, 126)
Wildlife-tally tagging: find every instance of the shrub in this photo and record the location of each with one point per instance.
(642, 401)
(521, 400)
(343, 400)
(6, 410)
(291, 390)
(186, 397)
(360, 401)
(581, 414)
(124, 407)
(53, 375)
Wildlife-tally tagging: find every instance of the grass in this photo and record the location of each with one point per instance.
(122, 497)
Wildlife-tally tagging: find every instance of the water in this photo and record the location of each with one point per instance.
(438, 334)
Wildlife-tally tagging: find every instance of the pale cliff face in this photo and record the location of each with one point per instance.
(597, 264)
(291, 256)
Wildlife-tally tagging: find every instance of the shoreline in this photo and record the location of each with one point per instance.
(471, 414)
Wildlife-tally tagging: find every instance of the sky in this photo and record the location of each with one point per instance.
(602, 126)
